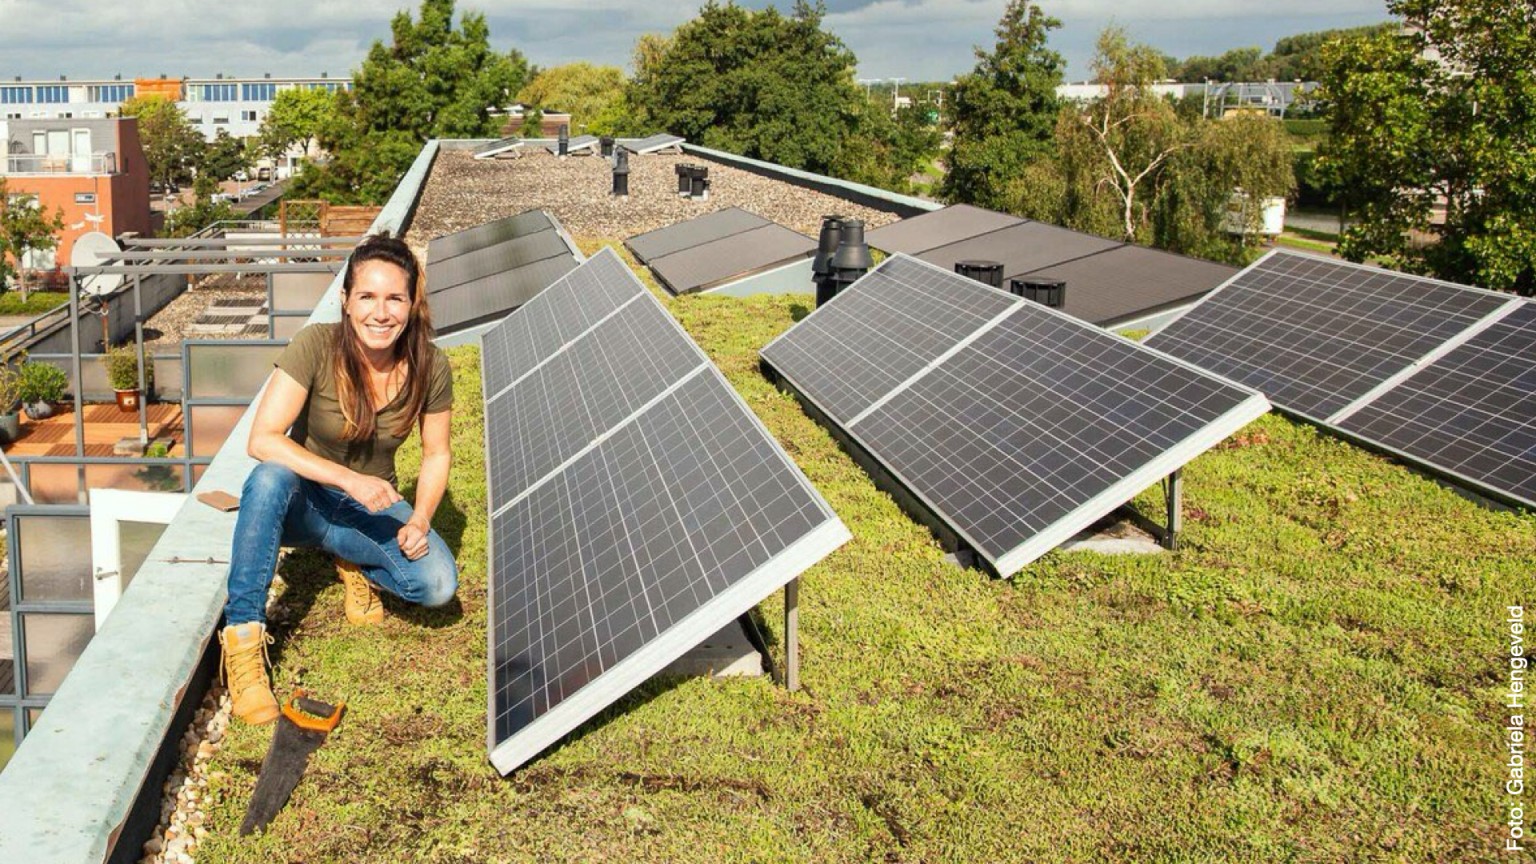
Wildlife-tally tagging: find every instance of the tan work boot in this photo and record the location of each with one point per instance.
(245, 668)
(362, 603)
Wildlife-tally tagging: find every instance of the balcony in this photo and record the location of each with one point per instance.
(49, 164)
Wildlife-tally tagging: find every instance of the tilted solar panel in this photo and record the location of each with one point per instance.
(471, 303)
(488, 234)
(1314, 334)
(483, 273)
(917, 234)
(496, 148)
(1470, 413)
(693, 232)
(636, 505)
(707, 265)
(496, 258)
(1018, 426)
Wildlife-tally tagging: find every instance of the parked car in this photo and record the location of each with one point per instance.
(242, 177)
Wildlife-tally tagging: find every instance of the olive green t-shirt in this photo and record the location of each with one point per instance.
(307, 359)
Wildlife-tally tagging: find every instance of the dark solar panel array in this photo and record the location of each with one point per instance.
(693, 232)
(636, 505)
(580, 142)
(485, 272)
(1471, 413)
(918, 234)
(1108, 282)
(707, 265)
(1315, 334)
(1015, 424)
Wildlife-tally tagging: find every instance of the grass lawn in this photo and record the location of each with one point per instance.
(36, 303)
(1314, 676)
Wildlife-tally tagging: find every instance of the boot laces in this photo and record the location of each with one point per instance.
(247, 668)
(359, 593)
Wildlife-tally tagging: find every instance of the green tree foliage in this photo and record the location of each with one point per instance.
(592, 95)
(186, 221)
(1411, 134)
(172, 146)
(756, 83)
(432, 81)
(1295, 58)
(297, 117)
(223, 156)
(24, 226)
(1002, 113)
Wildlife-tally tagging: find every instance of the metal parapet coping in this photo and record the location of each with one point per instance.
(69, 792)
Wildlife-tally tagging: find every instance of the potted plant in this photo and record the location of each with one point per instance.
(123, 374)
(10, 396)
(39, 385)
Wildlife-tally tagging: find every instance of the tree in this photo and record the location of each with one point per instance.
(1241, 161)
(223, 157)
(1003, 112)
(297, 117)
(433, 81)
(24, 227)
(755, 83)
(592, 95)
(1442, 116)
(172, 146)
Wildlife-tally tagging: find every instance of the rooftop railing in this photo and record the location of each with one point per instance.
(29, 163)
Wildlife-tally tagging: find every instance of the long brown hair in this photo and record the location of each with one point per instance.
(413, 348)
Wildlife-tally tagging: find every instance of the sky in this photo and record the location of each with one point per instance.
(911, 39)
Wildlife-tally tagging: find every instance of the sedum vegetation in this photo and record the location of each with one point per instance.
(1313, 676)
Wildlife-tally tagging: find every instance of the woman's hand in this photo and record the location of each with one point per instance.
(413, 537)
(375, 493)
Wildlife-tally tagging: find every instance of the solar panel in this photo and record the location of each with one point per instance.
(1112, 286)
(693, 232)
(1017, 425)
(1470, 413)
(1315, 334)
(931, 230)
(488, 234)
(707, 265)
(1020, 248)
(652, 144)
(636, 505)
(496, 148)
(492, 297)
(496, 258)
(572, 145)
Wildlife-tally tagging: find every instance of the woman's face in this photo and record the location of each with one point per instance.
(379, 305)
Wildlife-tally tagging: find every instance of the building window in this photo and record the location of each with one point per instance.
(248, 116)
(13, 115)
(110, 92)
(221, 119)
(53, 94)
(15, 95)
(218, 92)
(262, 92)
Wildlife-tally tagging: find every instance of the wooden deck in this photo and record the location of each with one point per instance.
(105, 425)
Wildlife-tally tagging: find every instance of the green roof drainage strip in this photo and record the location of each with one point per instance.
(69, 791)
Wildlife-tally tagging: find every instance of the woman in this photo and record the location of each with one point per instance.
(350, 393)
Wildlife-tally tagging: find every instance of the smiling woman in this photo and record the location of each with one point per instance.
(343, 399)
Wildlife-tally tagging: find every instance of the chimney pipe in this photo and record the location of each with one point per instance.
(684, 184)
(852, 259)
(621, 174)
(1047, 292)
(564, 141)
(605, 145)
(698, 186)
(985, 272)
(821, 265)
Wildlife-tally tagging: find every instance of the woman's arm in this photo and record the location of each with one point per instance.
(269, 442)
(436, 458)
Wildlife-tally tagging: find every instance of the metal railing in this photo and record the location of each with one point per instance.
(46, 163)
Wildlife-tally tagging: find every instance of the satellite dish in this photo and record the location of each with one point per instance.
(94, 249)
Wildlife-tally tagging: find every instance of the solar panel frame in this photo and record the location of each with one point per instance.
(1007, 562)
(651, 143)
(781, 566)
(574, 145)
(442, 248)
(1128, 281)
(510, 254)
(495, 296)
(717, 262)
(498, 147)
(1446, 309)
(1021, 248)
(693, 232)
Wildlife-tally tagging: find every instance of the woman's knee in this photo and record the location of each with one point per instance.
(270, 480)
(438, 577)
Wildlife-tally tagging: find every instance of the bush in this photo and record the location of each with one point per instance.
(10, 389)
(122, 365)
(40, 382)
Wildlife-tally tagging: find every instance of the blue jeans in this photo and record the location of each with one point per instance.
(280, 508)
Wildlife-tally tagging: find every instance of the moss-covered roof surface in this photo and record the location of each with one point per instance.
(1314, 676)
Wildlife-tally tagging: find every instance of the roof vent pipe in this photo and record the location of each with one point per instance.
(684, 184)
(821, 265)
(698, 185)
(621, 174)
(985, 272)
(564, 146)
(852, 259)
(1046, 292)
(605, 145)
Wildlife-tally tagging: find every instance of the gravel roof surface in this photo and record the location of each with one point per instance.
(171, 322)
(463, 192)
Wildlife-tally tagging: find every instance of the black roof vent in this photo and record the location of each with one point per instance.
(821, 265)
(564, 141)
(852, 259)
(1046, 292)
(605, 145)
(698, 183)
(621, 174)
(985, 272)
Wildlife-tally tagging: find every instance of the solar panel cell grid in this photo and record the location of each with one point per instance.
(1471, 412)
(488, 234)
(861, 346)
(1314, 335)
